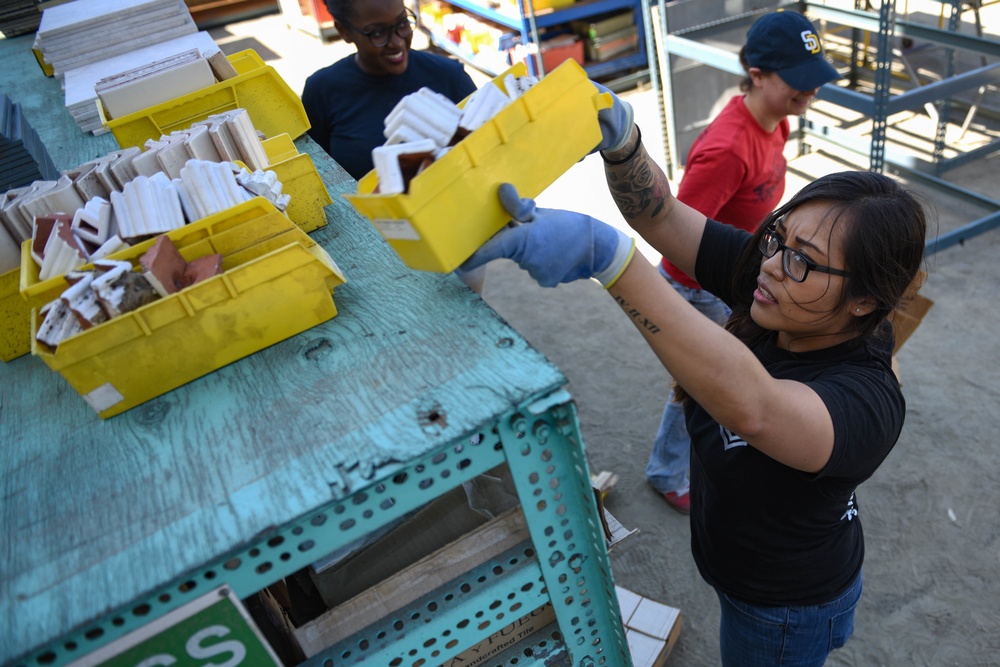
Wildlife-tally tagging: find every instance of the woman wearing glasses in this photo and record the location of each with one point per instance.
(789, 407)
(347, 102)
(735, 173)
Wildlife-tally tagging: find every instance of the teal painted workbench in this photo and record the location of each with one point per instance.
(253, 472)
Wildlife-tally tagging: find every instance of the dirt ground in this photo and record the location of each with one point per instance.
(932, 525)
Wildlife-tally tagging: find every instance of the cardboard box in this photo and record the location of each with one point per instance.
(437, 524)
(504, 638)
(908, 316)
(396, 588)
(600, 49)
(601, 28)
(560, 49)
(410, 583)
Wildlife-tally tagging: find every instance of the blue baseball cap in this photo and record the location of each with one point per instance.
(785, 42)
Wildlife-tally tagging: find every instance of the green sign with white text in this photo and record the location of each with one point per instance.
(212, 631)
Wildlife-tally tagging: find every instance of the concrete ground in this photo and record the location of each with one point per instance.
(930, 513)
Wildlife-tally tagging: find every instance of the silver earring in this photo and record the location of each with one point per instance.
(857, 310)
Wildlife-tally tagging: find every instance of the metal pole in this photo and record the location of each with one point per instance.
(665, 100)
(883, 79)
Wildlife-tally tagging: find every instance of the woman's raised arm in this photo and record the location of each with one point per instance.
(642, 193)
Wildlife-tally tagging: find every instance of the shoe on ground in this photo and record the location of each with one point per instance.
(680, 500)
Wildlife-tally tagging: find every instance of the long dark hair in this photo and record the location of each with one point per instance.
(746, 84)
(883, 234)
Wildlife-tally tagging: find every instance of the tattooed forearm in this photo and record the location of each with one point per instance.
(639, 187)
(638, 318)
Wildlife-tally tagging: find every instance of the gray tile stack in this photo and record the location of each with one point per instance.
(23, 157)
(18, 17)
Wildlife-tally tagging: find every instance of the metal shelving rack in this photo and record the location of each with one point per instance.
(878, 106)
(565, 562)
(528, 23)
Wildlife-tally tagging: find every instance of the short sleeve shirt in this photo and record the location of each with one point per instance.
(761, 531)
(735, 173)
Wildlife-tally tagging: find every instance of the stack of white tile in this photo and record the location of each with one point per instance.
(651, 627)
(147, 206)
(424, 125)
(81, 100)
(80, 32)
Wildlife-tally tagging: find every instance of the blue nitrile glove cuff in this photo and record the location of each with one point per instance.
(616, 122)
(556, 246)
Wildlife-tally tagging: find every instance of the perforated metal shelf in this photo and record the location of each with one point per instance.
(566, 562)
(440, 625)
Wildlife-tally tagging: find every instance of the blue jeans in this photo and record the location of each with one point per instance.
(752, 636)
(667, 469)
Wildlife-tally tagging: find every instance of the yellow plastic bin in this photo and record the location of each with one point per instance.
(270, 293)
(300, 180)
(229, 226)
(451, 208)
(15, 317)
(273, 107)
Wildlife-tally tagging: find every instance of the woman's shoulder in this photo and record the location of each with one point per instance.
(438, 65)
(434, 60)
(440, 73)
(726, 131)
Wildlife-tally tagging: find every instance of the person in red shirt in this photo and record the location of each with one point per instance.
(735, 174)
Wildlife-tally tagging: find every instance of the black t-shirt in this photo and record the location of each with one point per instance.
(347, 107)
(761, 531)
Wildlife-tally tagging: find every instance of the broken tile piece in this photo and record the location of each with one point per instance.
(201, 269)
(168, 272)
(163, 266)
(112, 245)
(41, 229)
(119, 289)
(92, 223)
(58, 324)
(388, 159)
(63, 252)
(82, 300)
(482, 106)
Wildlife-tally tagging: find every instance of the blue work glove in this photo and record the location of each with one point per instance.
(556, 246)
(616, 122)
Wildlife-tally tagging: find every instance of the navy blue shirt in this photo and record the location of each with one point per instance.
(347, 107)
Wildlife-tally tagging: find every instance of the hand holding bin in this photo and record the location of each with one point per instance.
(452, 208)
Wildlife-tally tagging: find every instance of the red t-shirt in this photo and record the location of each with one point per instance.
(735, 173)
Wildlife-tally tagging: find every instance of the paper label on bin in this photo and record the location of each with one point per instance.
(103, 397)
(400, 230)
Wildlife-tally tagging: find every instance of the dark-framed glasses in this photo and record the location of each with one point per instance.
(379, 36)
(795, 265)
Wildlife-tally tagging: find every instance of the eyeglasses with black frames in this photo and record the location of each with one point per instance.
(795, 265)
(379, 36)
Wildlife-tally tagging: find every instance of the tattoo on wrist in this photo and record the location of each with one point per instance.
(638, 317)
(641, 191)
(613, 162)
